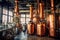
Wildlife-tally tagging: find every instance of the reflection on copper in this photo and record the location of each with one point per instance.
(35, 20)
(52, 20)
(52, 6)
(41, 10)
(52, 25)
(41, 29)
(30, 28)
(31, 12)
(16, 7)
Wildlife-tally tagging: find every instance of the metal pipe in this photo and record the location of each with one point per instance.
(17, 15)
(41, 11)
(31, 12)
(16, 8)
(52, 7)
(52, 20)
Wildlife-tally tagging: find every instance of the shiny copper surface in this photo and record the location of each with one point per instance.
(31, 12)
(41, 10)
(52, 25)
(41, 29)
(30, 28)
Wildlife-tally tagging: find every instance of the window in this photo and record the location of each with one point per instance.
(22, 15)
(7, 16)
(27, 15)
(23, 19)
(10, 13)
(4, 18)
(10, 17)
(5, 11)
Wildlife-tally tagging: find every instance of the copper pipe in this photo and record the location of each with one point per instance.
(38, 10)
(52, 27)
(52, 6)
(17, 15)
(52, 20)
(41, 11)
(16, 8)
(31, 12)
(37, 6)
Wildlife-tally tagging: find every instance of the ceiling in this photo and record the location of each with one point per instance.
(46, 2)
(23, 3)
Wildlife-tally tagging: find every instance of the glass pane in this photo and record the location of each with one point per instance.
(5, 11)
(4, 19)
(27, 19)
(22, 15)
(22, 20)
(27, 15)
(9, 19)
(10, 13)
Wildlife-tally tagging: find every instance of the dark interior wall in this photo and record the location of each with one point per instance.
(1, 14)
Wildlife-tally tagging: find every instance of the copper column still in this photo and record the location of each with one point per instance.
(30, 26)
(41, 24)
(52, 20)
(17, 15)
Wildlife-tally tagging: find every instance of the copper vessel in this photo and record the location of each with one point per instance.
(51, 25)
(30, 28)
(52, 21)
(41, 29)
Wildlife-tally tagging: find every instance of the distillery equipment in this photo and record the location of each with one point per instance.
(52, 20)
(30, 26)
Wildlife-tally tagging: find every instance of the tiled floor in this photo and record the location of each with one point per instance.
(23, 36)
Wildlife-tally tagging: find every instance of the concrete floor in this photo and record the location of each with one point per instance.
(23, 36)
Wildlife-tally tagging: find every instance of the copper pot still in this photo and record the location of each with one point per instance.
(41, 29)
(30, 28)
(51, 25)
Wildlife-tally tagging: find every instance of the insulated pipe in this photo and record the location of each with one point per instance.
(31, 12)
